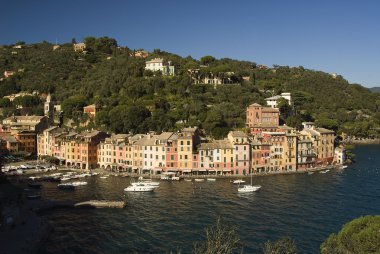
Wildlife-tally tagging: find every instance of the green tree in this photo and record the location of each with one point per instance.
(206, 60)
(5, 103)
(282, 246)
(361, 235)
(73, 105)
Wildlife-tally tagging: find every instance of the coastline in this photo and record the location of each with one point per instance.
(31, 230)
(364, 142)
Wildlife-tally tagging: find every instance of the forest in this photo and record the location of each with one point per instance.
(131, 99)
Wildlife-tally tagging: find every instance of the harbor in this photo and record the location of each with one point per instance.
(293, 204)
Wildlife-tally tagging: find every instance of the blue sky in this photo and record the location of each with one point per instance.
(332, 36)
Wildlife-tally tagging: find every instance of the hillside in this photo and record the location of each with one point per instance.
(134, 100)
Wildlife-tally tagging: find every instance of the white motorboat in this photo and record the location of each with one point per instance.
(238, 181)
(187, 180)
(310, 173)
(248, 188)
(175, 178)
(75, 184)
(139, 187)
(65, 178)
(345, 166)
(148, 181)
(211, 179)
(199, 179)
(103, 177)
(324, 172)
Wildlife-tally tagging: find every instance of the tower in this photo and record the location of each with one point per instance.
(49, 109)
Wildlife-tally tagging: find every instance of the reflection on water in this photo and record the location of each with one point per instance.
(306, 207)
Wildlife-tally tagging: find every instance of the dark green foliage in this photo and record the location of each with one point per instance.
(5, 103)
(108, 76)
(282, 246)
(361, 235)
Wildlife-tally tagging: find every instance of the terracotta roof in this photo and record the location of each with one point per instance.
(255, 105)
(238, 134)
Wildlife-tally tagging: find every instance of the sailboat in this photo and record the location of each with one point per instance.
(249, 188)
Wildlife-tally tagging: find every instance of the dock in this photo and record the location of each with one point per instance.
(41, 206)
(101, 204)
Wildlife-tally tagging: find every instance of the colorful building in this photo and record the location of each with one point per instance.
(259, 118)
(241, 152)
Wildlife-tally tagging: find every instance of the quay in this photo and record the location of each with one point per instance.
(41, 206)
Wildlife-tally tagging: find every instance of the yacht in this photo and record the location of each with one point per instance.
(75, 184)
(248, 188)
(139, 187)
(238, 181)
(148, 181)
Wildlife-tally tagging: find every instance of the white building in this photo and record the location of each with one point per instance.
(339, 155)
(158, 64)
(272, 101)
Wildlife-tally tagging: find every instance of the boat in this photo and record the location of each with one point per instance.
(199, 180)
(169, 176)
(75, 184)
(248, 188)
(211, 179)
(148, 181)
(65, 178)
(33, 196)
(104, 177)
(238, 181)
(66, 186)
(139, 187)
(310, 173)
(345, 166)
(324, 171)
(187, 180)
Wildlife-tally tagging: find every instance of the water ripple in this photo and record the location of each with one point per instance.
(305, 207)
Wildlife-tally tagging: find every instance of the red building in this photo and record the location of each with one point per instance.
(261, 118)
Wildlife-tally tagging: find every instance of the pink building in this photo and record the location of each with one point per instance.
(259, 118)
(172, 154)
(241, 152)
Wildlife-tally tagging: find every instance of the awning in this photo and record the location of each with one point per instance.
(212, 170)
(157, 169)
(227, 170)
(186, 170)
(203, 170)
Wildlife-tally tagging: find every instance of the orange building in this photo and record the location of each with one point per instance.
(26, 141)
(261, 118)
(81, 150)
(90, 110)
